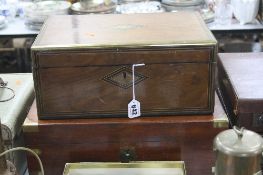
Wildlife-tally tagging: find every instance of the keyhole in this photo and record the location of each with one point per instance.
(124, 75)
(127, 155)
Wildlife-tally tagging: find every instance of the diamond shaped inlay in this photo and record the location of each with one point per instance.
(123, 77)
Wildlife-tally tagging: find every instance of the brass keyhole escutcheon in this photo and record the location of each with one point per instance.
(122, 77)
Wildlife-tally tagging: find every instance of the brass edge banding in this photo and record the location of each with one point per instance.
(221, 123)
(29, 127)
(85, 46)
(37, 151)
(136, 164)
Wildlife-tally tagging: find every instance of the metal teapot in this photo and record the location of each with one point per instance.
(238, 152)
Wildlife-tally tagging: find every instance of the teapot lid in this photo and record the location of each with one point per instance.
(239, 142)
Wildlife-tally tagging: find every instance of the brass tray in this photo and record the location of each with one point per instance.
(132, 168)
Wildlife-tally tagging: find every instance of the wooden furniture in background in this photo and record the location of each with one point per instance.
(240, 81)
(186, 138)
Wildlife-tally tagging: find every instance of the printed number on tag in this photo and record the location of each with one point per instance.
(134, 109)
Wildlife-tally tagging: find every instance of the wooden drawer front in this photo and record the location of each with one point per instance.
(56, 156)
(107, 90)
(189, 142)
(120, 57)
(186, 138)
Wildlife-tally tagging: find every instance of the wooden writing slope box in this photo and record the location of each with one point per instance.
(82, 66)
(186, 138)
(241, 84)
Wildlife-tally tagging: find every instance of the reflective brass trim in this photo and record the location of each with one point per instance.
(221, 123)
(131, 45)
(37, 151)
(136, 164)
(30, 127)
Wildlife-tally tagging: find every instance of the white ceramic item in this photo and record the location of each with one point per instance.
(2, 21)
(245, 11)
(90, 3)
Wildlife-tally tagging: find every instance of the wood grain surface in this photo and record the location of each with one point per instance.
(70, 67)
(187, 138)
(109, 30)
(101, 84)
(240, 82)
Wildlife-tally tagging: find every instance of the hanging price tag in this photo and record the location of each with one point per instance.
(134, 107)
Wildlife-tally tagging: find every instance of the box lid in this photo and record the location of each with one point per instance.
(123, 30)
(244, 71)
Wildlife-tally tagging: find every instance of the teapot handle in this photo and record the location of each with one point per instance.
(239, 131)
